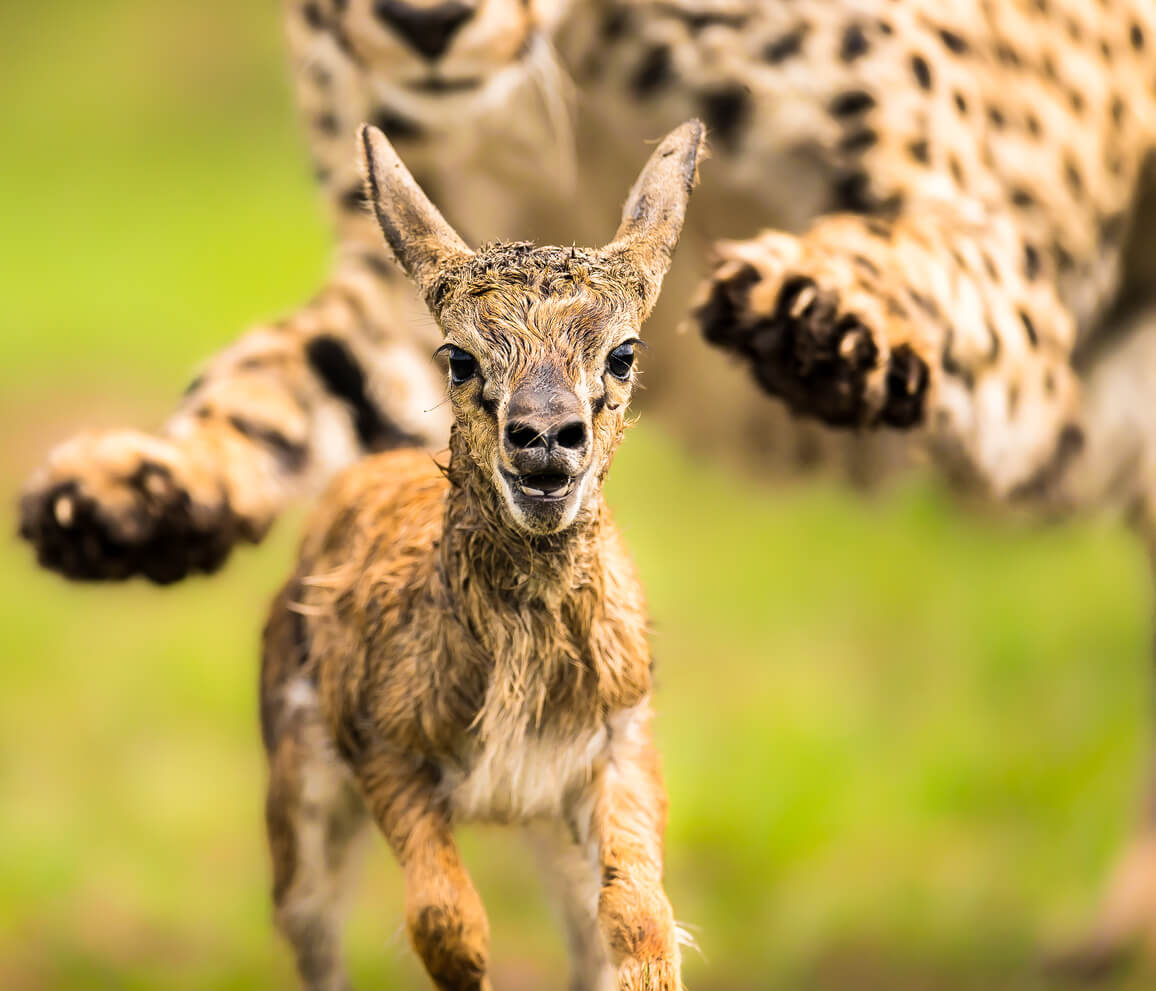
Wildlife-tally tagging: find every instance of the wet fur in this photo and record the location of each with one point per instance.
(437, 660)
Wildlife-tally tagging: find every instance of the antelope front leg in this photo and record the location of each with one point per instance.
(444, 915)
(628, 823)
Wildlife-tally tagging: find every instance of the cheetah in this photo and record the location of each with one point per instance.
(923, 228)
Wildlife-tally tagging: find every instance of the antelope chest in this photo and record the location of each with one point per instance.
(516, 778)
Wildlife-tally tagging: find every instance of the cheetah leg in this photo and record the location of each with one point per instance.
(920, 324)
(270, 419)
(275, 415)
(572, 876)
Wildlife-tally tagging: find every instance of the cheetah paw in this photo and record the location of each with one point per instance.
(812, 335)
(111, 505)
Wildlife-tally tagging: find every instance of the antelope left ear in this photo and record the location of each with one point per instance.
(655, 210)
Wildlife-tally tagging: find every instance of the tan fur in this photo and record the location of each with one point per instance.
(452, 651)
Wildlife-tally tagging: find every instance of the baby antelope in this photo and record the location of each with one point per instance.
(468, 642)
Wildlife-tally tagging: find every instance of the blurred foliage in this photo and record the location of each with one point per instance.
(902, 745)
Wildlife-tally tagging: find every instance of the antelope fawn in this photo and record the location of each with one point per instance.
(468, 642)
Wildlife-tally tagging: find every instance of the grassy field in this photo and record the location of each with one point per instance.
(902, 744)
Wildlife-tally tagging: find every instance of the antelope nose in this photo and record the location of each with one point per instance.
(525, 434)
(428, 29)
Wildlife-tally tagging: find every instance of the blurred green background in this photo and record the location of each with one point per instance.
(902, 743)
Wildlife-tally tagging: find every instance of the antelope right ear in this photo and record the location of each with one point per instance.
(655, 210)
(421, 239)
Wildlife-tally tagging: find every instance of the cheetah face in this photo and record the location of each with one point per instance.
(432, 53)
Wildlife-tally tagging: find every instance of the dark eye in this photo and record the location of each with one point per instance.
(462, 366)
(621, 360)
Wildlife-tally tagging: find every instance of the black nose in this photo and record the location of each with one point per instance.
(527, 433)
(429, 29)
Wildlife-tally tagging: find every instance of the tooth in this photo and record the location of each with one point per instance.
(526, 490)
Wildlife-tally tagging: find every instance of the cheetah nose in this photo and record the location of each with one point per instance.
(428, 29)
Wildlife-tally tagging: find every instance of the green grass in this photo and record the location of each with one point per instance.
(902, 744)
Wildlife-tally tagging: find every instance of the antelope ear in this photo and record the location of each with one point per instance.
(655, 210)
(421, 239)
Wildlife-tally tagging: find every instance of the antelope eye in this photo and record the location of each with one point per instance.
(621, 360)
(462, 366)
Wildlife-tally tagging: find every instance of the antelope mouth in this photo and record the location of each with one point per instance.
(546, 486)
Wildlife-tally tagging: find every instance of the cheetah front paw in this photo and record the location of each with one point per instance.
(111, 505)
(814, 335)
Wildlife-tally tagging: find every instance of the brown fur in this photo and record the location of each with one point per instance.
(448, 650)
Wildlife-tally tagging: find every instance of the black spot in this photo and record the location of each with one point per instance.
(654, 72)
(956, 169)
(333, 363)
(1073, 177)
(855, 43)
(919, 151)
(355, 200)
(960, 102)
(783, 48)
(615, 24)
(1007, 55)
(1106, 49)
(951, 365)
(1022, 198)
(1033, 123)
(1031, 262)
(858, 141)
(1113, 226)
(327, 123)
(953, 41)
(885, 26)
(379, 266)
(1117, 109)
(1076, 100)
(1136, 36)
(852, 192)
(396, 126)
(194, 385)
(1029, 329)
(313, 16)
(290, 455)
(852, 102)
(698, 20)
(726, 110)
(921, 70)
(996, 117)
(1064, 260)
(1048, 66)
